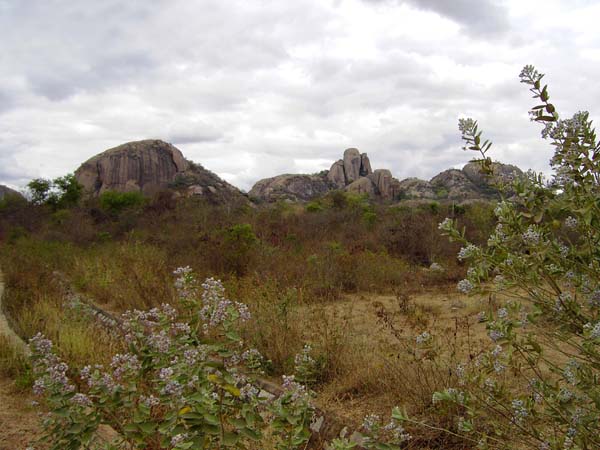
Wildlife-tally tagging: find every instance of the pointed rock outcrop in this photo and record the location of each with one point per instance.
(336, 174)
(365, 165)
(352, 165)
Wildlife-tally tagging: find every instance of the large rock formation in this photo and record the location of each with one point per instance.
(460, 185)
(291, 187)
(150, 166)
(353, 173)
(353, 166)
(6, 192)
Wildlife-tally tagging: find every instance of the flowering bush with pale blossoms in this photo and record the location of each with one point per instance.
(186, 381)
(538, 385)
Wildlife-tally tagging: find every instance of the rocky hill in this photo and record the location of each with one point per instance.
(5, 191)
(150, 166)
(353, 173)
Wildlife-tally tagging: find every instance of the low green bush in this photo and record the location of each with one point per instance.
(116, 202)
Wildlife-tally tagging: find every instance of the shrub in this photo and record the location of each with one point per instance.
(314, 207)
(239, 243)
(537, 386)
(115, 202)
(187, 381)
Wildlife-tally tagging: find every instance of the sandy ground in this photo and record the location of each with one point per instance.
(19, 422)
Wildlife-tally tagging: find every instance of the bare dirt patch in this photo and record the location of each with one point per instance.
(19, 421)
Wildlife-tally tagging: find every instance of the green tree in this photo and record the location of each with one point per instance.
(62, 192)
(39, 190)
(68, 191)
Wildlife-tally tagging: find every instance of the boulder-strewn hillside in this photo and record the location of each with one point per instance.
(353, 173)
(293, 187)
(459, 185)
(150, 166)
(5, 191)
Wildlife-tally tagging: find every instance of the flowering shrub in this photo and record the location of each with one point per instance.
(307, 368)
(537, 386)
(186, 381)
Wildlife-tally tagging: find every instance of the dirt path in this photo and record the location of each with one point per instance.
(5, 329)
(19, 422)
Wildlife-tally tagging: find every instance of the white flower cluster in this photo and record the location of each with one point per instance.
(423, 338)
(468, 252)
(464, 286)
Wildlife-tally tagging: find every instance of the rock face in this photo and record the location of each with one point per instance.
(460, 185)
(354, 174)
(5, 192)
(363, 185)
(150, 166)
(291, 187)
(352, 165)
(365, 165)
(387, 186)
(357, 175)
(453, 184)
(503, 173)
(355, 165)
(146, 166)
(336, 174)
(414, 188)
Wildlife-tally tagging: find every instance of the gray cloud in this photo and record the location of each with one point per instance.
(253, 88)
(482, 18)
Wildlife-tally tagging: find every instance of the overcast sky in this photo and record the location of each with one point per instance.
(252, 89)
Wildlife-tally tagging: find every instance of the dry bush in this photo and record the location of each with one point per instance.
(124, 275)
(276, 325)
